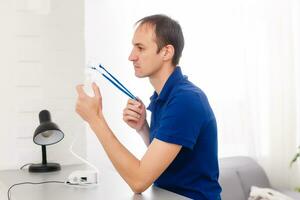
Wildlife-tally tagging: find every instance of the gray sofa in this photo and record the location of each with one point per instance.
(238, 174)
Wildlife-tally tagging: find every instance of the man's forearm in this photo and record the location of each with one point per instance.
(144, 133)
(124, 161)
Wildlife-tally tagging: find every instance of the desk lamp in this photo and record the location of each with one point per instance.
(47, 133)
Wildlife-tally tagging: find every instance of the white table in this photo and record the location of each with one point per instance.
(111, 186)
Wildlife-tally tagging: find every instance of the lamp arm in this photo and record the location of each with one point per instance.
(44, 155)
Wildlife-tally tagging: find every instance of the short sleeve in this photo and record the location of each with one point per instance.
(181, 121)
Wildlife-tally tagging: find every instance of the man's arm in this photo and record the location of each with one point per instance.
(139, 174)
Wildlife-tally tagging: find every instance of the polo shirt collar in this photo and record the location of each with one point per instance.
(173, 79)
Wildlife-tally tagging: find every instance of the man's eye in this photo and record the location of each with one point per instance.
(140, 48)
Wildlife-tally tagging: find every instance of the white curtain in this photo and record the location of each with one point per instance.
(244, 54)
(259, 115)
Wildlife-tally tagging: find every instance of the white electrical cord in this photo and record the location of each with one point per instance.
(80, 158)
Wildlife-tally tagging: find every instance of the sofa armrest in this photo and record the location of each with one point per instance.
(231, 186)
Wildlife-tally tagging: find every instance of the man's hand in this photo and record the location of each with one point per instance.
(89, 108)
(135, 114)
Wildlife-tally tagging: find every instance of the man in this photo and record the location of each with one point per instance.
(182, 138)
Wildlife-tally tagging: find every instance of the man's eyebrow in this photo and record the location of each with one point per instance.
(138, 44)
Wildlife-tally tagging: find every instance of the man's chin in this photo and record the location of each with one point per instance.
(139, 75)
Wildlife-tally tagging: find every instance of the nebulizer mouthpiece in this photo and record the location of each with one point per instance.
(89, 78)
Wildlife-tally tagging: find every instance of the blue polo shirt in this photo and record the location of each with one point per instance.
(182, 115)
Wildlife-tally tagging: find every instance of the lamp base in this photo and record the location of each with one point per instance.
(49, 167)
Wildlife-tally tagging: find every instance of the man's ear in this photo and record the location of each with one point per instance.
(168, 52)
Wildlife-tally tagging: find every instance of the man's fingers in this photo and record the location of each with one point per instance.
(131, 113)
(96, 90)
(128, 118)
(134, 108)
(80, 91)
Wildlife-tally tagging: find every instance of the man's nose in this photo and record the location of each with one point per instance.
(132, 56)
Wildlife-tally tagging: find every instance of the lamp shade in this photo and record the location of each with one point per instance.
(47, 132)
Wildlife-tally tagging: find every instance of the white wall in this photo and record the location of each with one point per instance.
(296, 59)
(41, 61)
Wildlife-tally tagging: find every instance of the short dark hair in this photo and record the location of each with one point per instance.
(167, 31)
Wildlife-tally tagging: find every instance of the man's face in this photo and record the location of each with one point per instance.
(146, 60)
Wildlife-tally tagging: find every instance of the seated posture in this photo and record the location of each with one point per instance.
(182, 154)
